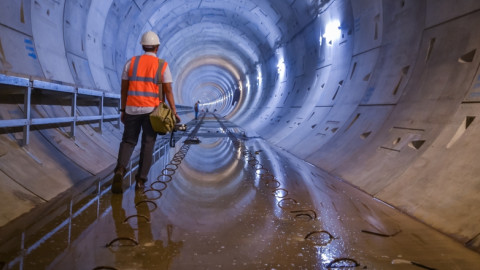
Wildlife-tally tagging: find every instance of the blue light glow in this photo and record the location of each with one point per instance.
(280, 66)
(332, 32)
(259, 77)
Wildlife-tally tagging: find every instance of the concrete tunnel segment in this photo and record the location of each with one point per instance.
(382, 94)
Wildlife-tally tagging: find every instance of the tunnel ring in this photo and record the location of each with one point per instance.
(331, 264)
(160, 182)
(275, 191)
(173, 165)
(175, 161)
(259, 166)
(261, 171)
(253, 162)
(155, 198)
(168, 171)
(281, 203)
(105, 268)
(329, 240)
(299, 213)
(162, 176)
(121, 238)
(267, 176)
(148, 201)
(269, 182)
(304, 215)
(179, 155)
(137, 216)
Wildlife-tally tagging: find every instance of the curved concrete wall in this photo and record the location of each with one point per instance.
(382, 94)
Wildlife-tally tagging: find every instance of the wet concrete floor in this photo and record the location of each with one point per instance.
(222, 200)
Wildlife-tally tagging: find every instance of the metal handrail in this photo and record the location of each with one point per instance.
(72, 91)
(73, 119)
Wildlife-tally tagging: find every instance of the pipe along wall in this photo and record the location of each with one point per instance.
(382, 94)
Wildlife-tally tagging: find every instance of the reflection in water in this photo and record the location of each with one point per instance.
(150, 253)
(233, 202)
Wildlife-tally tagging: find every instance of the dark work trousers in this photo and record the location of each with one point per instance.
(133, 125)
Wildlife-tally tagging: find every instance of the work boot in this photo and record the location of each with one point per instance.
(140, 183)
(117, 183)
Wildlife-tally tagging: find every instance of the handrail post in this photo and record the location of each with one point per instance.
(73, 114)
(100, 109)
(27, 112)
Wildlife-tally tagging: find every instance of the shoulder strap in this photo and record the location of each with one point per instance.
(132, 70)
(161, 68)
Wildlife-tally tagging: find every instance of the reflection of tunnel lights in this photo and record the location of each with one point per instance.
(280, 66)
(259, 77)
(332, 31)
(281, 63)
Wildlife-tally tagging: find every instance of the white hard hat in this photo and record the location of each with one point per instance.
(150, 39)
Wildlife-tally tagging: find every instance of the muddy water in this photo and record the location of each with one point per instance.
(224, 200)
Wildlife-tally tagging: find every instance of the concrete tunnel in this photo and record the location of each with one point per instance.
(377, 98)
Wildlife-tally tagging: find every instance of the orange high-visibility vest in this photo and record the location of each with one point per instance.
(143, 81)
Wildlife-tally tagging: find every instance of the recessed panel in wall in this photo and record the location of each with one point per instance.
(18, 54)
(47, 29)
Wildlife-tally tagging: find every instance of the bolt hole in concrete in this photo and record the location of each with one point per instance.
(396, 141)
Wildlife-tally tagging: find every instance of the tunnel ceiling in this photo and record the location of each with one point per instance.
(211, 46)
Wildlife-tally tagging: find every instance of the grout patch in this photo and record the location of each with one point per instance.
(376, 19)
(430, 49)
(403, 73)
(461, 130)
(365, 135)
(353, 122)
(468, 57)
(22, 13)
(340, 83)
(416, 144)
(353, 70)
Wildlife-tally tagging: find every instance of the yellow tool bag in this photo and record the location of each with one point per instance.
(162, 119)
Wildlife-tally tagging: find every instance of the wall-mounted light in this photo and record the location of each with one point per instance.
(332, 32)
(259, 76)
(281, 62)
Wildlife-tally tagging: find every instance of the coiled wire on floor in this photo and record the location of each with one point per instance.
(156, 187)
(286, 203)
(167, 173)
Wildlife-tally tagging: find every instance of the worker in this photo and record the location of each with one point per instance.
(195, 107)
(139, 97)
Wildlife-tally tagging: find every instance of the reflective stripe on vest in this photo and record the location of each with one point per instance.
(143, 86)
